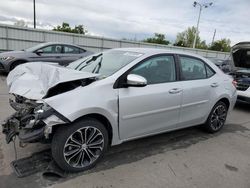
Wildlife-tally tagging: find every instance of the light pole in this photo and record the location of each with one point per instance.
(201, 6)
(34, 9)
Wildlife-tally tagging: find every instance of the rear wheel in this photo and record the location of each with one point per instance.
(79, 146)
(217, 118)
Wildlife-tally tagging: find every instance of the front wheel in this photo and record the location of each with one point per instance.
(79, 146)
(216, 118)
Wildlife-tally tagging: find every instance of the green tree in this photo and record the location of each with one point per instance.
(186, 39)
(79, 29)
(65, 27)
(222, 45)
(157, 39)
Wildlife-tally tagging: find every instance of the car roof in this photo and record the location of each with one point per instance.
(151, 51)
(59, 43)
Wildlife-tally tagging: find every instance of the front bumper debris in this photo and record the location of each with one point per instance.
(29, 121)
(10, 128)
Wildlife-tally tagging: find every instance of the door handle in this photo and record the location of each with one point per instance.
(175, 91)
(214, 84)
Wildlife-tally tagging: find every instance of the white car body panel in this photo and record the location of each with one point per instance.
(154, 104)
(244, 93)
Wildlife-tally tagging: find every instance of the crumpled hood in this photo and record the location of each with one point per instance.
(33, 80)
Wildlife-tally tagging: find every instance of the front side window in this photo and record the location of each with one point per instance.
(157, 69)
(192, 68)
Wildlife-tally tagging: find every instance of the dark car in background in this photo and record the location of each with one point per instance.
(60, 53)
(224, 65)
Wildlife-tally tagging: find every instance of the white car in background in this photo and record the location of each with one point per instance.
(113, 97)
(241, 69)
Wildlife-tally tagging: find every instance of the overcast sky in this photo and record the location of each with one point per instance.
(136, 18)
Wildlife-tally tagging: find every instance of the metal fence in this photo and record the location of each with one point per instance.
(17, 38)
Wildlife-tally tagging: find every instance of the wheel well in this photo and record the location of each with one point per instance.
(103, 120)
(226, 101)
(98, 117)
(13, 64)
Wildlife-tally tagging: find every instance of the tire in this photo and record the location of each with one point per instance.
(216, 118)
(15, 64)
(70, 150)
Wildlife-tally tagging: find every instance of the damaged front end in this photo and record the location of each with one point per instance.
(31, 84)
(32, 121)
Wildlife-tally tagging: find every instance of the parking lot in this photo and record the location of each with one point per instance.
(186, 158)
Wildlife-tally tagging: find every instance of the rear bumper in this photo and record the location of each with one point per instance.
(244, 95)
(244, 99)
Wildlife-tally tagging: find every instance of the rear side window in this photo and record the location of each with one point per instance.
(193, 69)
(72, 50)
(210, 72)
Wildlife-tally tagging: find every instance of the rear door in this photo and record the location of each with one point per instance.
(198, 84)
(155, 107)
(71, 53)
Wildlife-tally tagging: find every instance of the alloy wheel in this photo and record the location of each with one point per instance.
(83, 147)
(218, 117)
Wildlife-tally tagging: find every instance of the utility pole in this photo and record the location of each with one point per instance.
(213, 36)
(206, 5)
(34, 9)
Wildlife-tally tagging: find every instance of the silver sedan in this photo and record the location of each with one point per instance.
(113, 97)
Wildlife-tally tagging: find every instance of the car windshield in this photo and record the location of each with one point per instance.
(34, 48)
(105, 63)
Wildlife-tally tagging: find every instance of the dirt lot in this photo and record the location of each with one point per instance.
(186, 158)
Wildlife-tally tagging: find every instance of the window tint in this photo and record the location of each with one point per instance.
(71, 50)
(210, 72)
(157, 70)
(192, 68)
(53, 49)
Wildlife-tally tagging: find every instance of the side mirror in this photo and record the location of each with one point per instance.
(39, 52)
(134, 80)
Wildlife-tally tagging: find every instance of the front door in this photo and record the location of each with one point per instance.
(51, 53)
(155, 107)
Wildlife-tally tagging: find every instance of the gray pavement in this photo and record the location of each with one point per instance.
(186, 158)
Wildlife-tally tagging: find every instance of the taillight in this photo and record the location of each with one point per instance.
(234, 82)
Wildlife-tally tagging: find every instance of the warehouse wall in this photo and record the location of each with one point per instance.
(17, 38)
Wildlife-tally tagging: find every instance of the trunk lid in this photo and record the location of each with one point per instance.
(241, 57)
